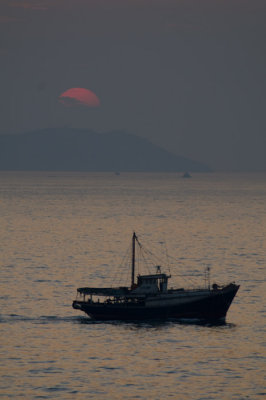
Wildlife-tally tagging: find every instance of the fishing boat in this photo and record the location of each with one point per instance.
(148, 297)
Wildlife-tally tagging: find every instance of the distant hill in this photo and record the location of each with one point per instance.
(68, 149)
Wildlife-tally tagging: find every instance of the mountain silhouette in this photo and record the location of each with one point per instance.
(68, 149)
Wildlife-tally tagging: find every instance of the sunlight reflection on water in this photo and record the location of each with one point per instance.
(70, 230)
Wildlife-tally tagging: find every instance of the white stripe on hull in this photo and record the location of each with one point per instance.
(182, 298)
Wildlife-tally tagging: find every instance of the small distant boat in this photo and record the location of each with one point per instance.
(148, 297)
(186, 175)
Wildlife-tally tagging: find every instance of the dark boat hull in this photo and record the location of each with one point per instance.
(212, 306)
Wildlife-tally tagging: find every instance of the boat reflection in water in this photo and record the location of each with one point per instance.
(150, 298)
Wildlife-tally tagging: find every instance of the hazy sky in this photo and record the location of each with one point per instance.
(190, 75)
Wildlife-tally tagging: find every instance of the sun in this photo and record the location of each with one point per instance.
(79, 97)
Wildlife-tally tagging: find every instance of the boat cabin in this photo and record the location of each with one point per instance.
(151, 284)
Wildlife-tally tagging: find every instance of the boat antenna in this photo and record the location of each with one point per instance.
(167, 257)
(208, 277)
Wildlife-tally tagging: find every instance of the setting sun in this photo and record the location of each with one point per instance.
(79, 96)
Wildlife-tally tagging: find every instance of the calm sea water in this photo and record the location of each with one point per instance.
(60, 231)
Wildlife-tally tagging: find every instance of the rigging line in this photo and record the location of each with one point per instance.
(127, 276)
(145, 261)
(119, 267)
(154, 255)
(172, 263)
(154, 259)
(185, 277)
(171, 260)
(139, 261)
(171, 257)
(175, 263)
(127, 268)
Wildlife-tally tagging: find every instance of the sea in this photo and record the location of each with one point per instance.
(64, 230)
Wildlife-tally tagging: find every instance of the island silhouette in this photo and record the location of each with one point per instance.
(69, 149)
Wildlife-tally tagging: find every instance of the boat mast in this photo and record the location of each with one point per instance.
(134, 238)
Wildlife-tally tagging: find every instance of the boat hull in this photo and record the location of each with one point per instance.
(211, 305)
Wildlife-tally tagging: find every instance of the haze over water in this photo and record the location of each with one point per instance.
(60, 231)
